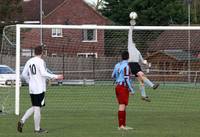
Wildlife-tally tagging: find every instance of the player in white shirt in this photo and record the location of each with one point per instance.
(35, 74)
(135, 58)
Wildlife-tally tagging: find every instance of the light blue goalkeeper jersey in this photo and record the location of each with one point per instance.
(121, 74)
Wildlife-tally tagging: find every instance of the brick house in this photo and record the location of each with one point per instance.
(172, 65)
(61, 41)
(174, 45)
(173, 60)
(169, 56)
(176, 40)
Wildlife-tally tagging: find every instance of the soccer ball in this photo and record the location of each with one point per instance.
(133, 15)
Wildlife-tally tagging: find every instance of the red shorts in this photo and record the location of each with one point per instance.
(122, 94)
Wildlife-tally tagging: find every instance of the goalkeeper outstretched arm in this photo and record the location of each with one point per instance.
(130, 39)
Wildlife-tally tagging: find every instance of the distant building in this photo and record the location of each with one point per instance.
(83, 43)
(176, 40)
(172, 65)
(173, 60)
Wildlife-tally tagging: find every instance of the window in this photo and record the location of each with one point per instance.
(56, 32)
(89, 35)
(53, 55)
(28, 52)
(87, 55)
(6, 70)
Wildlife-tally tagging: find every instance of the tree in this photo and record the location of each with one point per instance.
(150, 12)
(8, 8)
(195, 10)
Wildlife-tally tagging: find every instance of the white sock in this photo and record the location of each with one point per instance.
(148, 82)
(142, 90)
(37, 117)
(27, 114)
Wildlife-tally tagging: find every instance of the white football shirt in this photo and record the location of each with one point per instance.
(35, 74)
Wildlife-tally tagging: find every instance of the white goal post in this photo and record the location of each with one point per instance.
(29, 26)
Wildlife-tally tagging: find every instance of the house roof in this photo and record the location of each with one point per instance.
(31, 9)
(178, 55)
(176, 40)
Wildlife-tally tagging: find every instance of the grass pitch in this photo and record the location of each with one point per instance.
(91, 111)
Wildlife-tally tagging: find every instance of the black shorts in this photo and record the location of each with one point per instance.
(38, 99)
(135, 68)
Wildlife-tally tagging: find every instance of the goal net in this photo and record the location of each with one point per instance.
(7, 67)
(87, 54)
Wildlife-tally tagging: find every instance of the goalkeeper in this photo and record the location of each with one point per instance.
(134, 58)
(35, 75)
(121, 74)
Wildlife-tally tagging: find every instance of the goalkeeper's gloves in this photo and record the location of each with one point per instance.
(145, 62)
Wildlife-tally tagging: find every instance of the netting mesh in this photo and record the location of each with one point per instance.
(86, 57)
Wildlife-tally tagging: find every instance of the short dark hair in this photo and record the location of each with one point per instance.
(125, 55)
(38, 50)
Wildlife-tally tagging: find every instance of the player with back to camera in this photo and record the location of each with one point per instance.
(35, 74)
(134, 58)
(121, 74)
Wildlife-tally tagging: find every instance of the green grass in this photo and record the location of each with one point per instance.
(91, 111)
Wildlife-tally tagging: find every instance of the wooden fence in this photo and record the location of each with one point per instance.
(76, 68)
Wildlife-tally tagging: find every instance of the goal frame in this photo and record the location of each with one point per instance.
(98, 27)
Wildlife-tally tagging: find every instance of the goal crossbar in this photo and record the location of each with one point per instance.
(110, 27)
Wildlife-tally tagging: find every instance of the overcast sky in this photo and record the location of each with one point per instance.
(91, 1)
